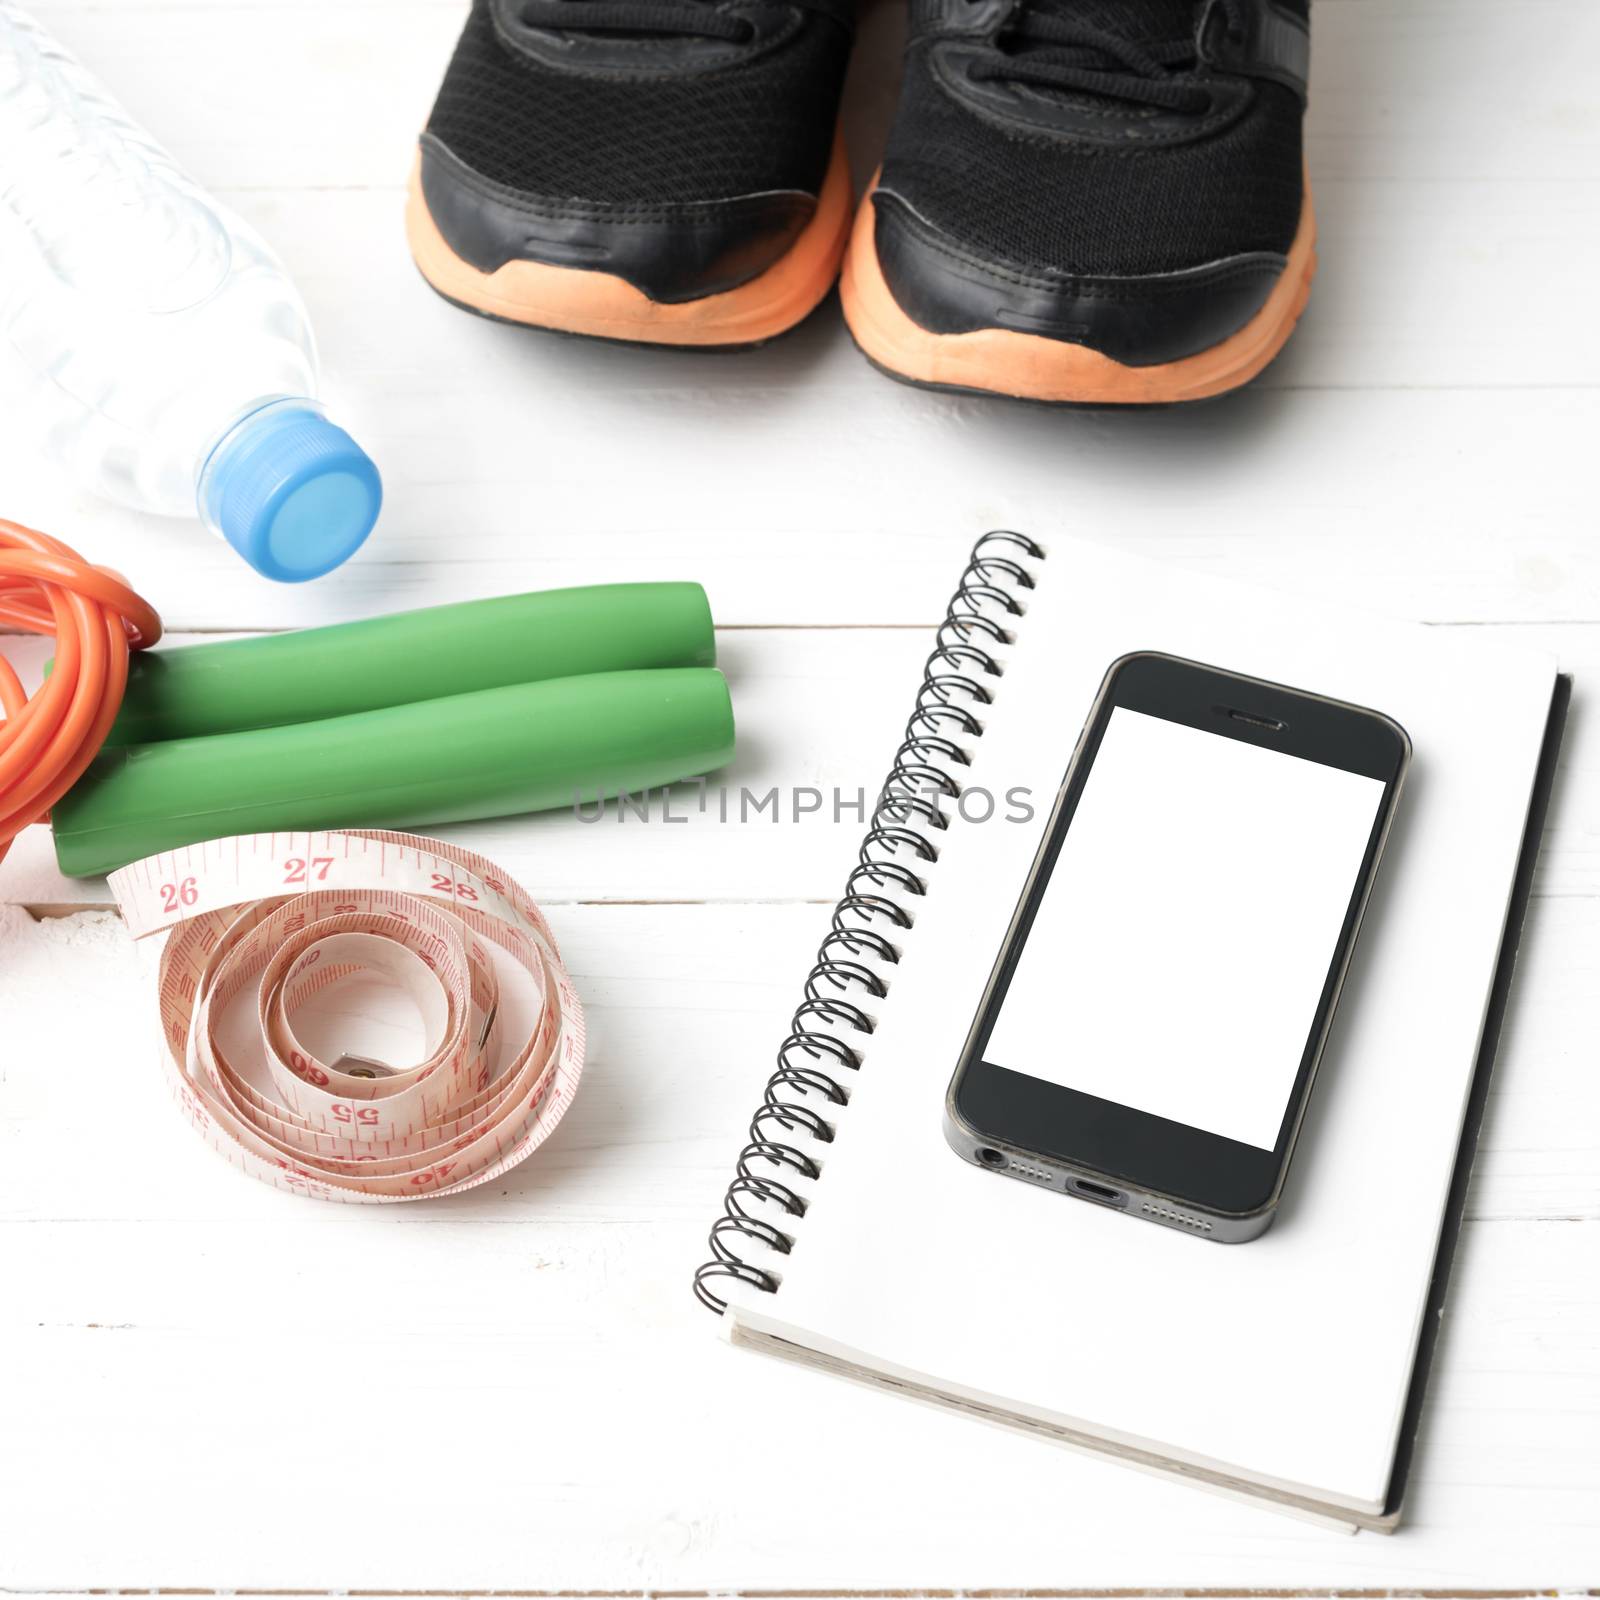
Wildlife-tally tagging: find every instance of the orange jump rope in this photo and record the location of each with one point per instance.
(96, 619)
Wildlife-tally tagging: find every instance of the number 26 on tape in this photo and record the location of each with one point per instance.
(182, 893)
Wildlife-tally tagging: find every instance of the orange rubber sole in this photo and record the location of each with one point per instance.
(604, 306)
(1027, 366)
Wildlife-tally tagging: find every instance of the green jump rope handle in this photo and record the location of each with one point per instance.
(283, 678)
(493, 752)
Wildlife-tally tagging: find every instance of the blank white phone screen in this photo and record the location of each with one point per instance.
(1181, 946)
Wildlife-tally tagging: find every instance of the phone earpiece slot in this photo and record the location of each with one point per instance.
(1271, 724)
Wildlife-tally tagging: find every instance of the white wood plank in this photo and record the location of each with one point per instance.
(1410, 271)
(1437, 89)
(686, 1006)
(802, 487)
(523, 1380)
(793, 507)
(819, 713)
(546, 1409)
(1539, 1152)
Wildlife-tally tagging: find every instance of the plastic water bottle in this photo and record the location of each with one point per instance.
(173, 366)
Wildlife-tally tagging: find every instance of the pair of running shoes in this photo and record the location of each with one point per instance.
(1081, 201)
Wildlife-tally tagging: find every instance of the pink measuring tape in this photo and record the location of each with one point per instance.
(266, 927)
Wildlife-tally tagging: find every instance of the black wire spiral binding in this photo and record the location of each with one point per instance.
(813, 1060)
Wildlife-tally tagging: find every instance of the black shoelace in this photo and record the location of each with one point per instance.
(644, 18)
(1049, 50)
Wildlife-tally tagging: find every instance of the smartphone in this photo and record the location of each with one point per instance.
(1150, 1033)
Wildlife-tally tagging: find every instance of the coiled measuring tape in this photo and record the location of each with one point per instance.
(264, 925)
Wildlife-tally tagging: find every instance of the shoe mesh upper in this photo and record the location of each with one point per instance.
(765, 123)
(1041, 202)
(1134, 19)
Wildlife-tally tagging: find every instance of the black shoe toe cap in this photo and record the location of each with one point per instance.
(1139, 321)
(670, 252)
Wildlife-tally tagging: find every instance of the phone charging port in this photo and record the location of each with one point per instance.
(1096, 1191)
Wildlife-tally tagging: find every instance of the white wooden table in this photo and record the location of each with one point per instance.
(210, 1387)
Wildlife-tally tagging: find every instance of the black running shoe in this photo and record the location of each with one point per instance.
(665, 171)
(1094, 201)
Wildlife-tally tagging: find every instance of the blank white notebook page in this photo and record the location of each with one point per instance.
(1226, 868)
(1288, 1358)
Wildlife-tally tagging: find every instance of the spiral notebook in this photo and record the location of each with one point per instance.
(1311, 1344)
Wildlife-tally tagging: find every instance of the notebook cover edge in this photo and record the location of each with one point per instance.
(1477, 1099)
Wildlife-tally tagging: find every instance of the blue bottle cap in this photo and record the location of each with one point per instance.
(291, 492)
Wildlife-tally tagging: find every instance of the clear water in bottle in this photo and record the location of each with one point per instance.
(172, 361)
